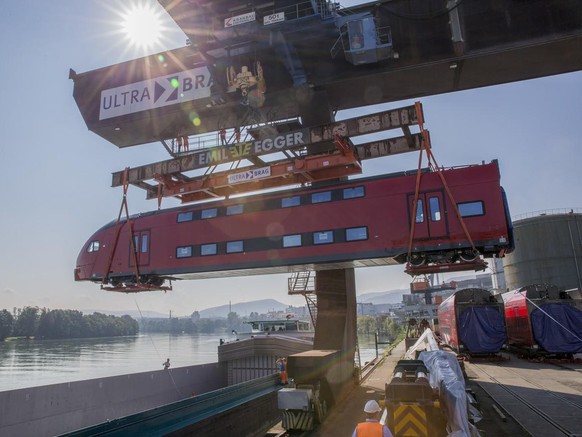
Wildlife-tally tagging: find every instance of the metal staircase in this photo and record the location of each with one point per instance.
(304, 283)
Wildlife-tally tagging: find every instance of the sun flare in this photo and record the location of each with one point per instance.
(142, 25)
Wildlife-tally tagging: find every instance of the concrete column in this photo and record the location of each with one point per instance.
(336, 320)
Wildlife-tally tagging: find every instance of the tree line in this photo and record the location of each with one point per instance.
(195, 324)
(43, 323)
(368, 325)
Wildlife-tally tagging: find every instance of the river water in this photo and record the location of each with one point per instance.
(28, 363)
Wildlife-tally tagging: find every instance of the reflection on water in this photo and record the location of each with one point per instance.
(42, 362)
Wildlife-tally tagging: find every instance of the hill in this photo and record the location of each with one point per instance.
(382, 297)
(244, 308)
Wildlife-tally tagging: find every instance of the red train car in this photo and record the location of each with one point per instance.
(471, 321)
(543, 318)
(361, 222)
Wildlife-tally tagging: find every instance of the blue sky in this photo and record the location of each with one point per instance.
(56, 174)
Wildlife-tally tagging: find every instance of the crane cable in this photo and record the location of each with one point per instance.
(434, 166)
(118, 233)
(156, 349)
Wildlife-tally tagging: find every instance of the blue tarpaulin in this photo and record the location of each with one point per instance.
(482, 329)
(557, 328)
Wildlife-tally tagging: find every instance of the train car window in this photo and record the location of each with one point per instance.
(185, 216)
(419, 212)
(144, 243)
(208, 249)
(471, 209)
(234, 246)
(292, 240)
(184, 252)
(324, 196)
(287, 202)
(234, 209)
(435, 209)
(351, 193)
(357, 234)
(209, 213)
(324, 237)
(93, 246)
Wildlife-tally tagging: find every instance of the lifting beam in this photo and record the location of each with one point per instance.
(312, 168)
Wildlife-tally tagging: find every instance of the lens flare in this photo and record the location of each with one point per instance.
(195, 119)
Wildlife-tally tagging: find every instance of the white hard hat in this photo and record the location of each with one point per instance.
(372, 407)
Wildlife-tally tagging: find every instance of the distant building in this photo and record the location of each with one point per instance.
(366, 309)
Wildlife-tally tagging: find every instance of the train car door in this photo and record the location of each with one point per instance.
(430, 219)
(141, 241)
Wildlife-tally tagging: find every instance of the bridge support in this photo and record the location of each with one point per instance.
(336, 322)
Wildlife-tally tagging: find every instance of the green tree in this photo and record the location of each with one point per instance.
(62, 324)
(27, 322)
(6, 323)
(392, 328)
(366, 325)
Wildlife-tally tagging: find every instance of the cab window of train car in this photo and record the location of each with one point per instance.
(93, 246)
(351, 193)
(234, 209)
(234, 246)
(357, 234)
(185, 216)
(435, 209)
(324, 237)
(419, 212)
(208, 249)
(288, 202)
(471, 209)
(184, 252)
(292, 240)
(324, 196)
(209, 213)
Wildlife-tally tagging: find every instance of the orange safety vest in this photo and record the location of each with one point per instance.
(369, 429)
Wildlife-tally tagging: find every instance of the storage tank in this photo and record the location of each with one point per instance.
(548, 249)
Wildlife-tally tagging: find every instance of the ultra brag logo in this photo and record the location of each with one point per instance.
(155, 93)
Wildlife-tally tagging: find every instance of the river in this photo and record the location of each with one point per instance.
(28, 363)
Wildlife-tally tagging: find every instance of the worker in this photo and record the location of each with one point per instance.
(182, 141)
(166, 364)
(282, 363)
(237, 135)
(222, 136)
(372, 427)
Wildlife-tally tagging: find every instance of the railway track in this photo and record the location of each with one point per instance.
(535, 403)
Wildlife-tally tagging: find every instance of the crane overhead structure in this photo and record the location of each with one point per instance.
(263, 62)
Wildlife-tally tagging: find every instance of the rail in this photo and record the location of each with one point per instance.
(542, 212)
(177, 415)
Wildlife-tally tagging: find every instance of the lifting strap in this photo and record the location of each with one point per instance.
(118, 232)
(431, 160)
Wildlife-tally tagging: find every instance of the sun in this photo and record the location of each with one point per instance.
(142, 25)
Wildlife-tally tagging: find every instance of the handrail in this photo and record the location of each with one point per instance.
(543, 212)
